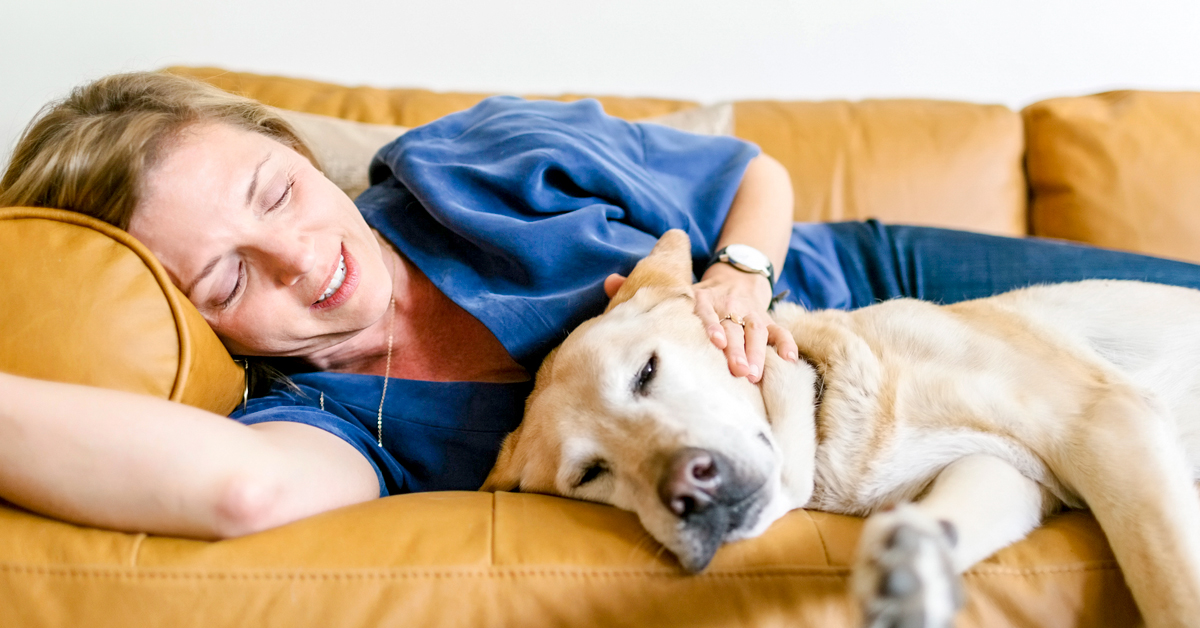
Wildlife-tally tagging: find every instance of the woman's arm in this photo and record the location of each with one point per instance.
(760, 216)
(135, 463)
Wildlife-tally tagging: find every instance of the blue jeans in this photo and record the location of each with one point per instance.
(853, 264)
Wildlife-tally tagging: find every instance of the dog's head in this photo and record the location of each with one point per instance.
(638, 409)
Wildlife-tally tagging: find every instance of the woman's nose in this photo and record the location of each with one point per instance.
(294, 257)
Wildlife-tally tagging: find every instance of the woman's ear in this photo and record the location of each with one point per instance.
(668, 266)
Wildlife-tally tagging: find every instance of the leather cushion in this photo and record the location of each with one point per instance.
(403, 107)
(478, 559)
(83, 302)
(919, 162)
(1119, 169)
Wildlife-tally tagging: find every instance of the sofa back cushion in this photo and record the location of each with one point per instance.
(344, 148)
(401, 107)
(85, 303)
(1119, 169)
(923, 162)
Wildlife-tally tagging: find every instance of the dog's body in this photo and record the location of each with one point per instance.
(989, 414)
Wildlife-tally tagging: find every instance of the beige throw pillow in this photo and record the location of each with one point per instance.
(709, 120)
(344, 148)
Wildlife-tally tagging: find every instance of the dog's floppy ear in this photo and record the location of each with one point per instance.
(668, 266)
(505, 474)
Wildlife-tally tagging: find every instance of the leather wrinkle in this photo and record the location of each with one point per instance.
(136, 549)
(820, 537)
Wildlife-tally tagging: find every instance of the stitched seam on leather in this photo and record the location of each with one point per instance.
(825, 574)
(1037, 571)
(137, 547)
(126, 574)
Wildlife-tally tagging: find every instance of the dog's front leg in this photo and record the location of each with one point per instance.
(910, 558)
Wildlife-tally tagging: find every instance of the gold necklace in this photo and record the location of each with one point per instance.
(387, 373)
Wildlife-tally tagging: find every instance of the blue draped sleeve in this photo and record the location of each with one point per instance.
(517, 210)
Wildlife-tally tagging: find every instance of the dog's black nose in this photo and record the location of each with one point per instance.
(690, 482)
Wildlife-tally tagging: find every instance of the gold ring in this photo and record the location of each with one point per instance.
(729, 317)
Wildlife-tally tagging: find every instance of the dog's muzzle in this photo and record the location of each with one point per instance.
(701, 488)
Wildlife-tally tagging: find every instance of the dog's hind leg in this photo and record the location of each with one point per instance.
(1127, 463)
(909, 558)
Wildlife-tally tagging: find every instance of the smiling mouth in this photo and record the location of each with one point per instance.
(339, 276)
(342, 283)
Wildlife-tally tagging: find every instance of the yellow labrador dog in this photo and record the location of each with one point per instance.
(955, 428)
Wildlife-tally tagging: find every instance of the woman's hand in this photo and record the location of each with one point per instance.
(725, 295)
(733, 306)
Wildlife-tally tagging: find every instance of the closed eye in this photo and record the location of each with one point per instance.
(237, 287)
(641, 383)
(593, 471)
(283, 198)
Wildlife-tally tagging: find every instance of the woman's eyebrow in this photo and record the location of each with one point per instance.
(254, 180)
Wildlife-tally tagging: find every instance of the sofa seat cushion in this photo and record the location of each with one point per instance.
(1119, 169)
(481, 559)
(85, 303)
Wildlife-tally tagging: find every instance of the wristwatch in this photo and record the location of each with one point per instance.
(746, 259)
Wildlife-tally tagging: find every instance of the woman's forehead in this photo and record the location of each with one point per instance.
(195, 196)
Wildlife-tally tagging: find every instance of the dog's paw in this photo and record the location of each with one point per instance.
(904, 575)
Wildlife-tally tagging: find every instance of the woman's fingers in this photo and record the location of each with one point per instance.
(736, 320)
(712, 321)
(783, 341)
(735, 350)
(756, 345)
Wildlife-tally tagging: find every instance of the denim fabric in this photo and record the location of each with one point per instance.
(881, 262)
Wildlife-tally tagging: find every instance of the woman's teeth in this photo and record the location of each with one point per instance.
(338, 278)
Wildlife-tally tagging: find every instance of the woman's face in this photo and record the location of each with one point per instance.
(256, 237)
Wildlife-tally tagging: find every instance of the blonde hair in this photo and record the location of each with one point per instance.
(92, 151)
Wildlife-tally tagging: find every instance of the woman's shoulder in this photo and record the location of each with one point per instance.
(499, 117)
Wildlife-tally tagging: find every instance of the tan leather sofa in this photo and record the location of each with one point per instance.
(1119, 169)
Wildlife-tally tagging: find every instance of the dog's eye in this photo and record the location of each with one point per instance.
(594, 470)
(647, 373)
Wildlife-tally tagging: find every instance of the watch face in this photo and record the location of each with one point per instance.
(747, 256)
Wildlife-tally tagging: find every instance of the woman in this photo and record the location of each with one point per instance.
(421, 309)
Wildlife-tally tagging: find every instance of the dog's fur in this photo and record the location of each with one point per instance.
(956, 428)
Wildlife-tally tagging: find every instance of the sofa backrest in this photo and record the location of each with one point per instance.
(922, 162)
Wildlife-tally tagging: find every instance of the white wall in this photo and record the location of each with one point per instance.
(1008, 51)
